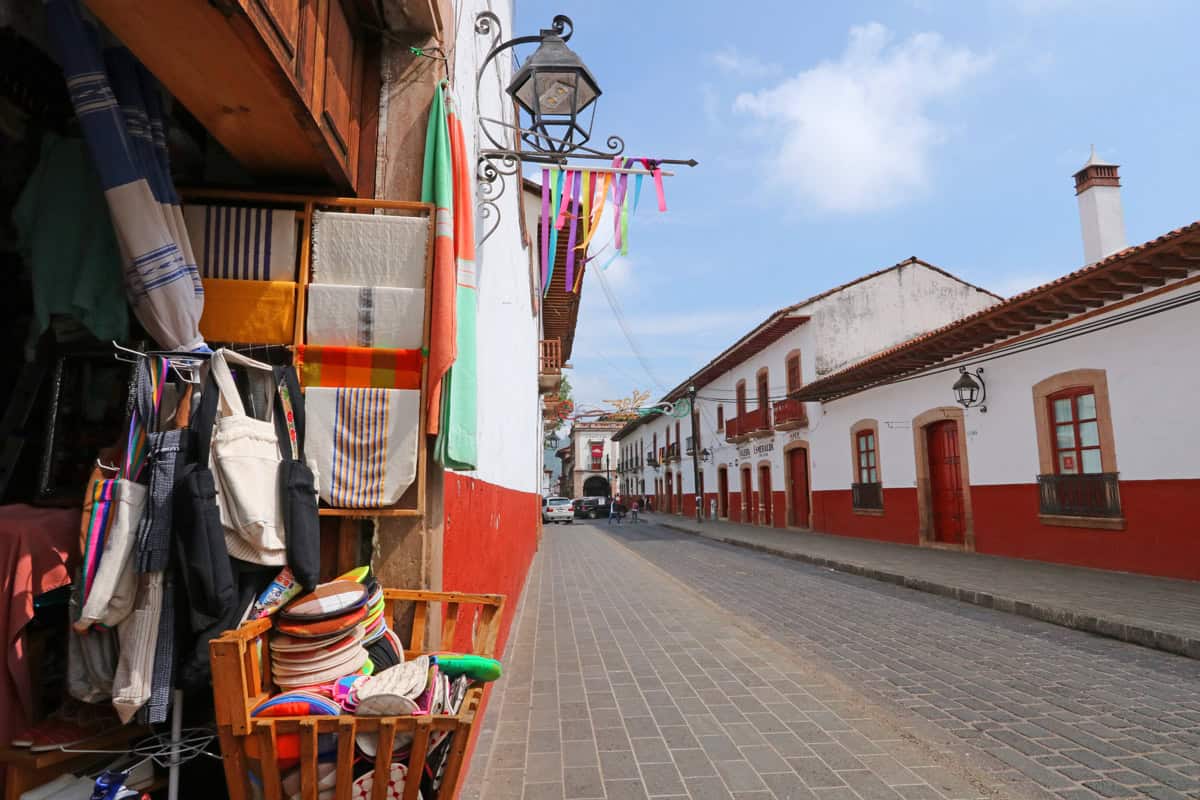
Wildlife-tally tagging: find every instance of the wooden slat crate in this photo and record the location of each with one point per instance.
(242, 680)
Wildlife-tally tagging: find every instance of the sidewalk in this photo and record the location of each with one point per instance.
(1154, 612)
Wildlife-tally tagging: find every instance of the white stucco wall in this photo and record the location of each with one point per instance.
(1152, 389)
(871, 316)
(509, 428)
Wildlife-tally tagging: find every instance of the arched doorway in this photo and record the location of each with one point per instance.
(766, 497)
(748, 507)
(796, 477)
(943, 479)
(596, 486)
(722, 492)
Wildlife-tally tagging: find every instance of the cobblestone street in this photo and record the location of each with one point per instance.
(649, 663)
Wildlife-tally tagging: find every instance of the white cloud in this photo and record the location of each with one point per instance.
(856, 134)
(733, 62)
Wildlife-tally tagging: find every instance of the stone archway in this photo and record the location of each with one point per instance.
(596, 486)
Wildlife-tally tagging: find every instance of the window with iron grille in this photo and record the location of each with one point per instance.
(867, 491)
(1079, 486)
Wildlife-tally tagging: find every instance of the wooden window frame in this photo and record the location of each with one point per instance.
(762, 387)
(1076, 422)
(1057, 384)
(866, 426)
(740, 395)
(720, 417)
(793, 358)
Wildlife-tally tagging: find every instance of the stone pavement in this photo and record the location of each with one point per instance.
(620, 682)
(1083, 716)
(1154, 612)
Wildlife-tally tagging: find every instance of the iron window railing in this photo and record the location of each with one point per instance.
(1096, 495)
(867, 496)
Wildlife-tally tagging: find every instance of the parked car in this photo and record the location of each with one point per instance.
(558, 509)
(591, 507)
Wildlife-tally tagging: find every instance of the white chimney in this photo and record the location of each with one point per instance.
(1098, 187)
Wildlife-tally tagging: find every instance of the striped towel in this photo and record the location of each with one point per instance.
(257, 244)
(365, 441)
(358, 367)
(365, 316)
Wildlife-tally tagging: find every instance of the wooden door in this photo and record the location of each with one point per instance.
(748, 497)
(798, 475)
(764, 493)
(670, 507)
(945, 483)
(723, 492)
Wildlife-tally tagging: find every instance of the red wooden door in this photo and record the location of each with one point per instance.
(764, 493)
(747, 497)
(670, 494)
(945, 484)
(798, 469)
(722, 493)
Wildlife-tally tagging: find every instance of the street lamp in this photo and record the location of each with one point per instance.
(970, 390)
(553, 87)
(695, 454)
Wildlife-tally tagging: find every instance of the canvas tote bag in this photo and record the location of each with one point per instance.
(114, 582)
(245, 458)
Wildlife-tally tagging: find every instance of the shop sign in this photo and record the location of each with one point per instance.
(795, 436)
(743, 452)
(764, 448)
(597, 450)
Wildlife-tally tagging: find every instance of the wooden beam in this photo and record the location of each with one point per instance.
(1137, 277)
(1083, 297)
(1116, 285)
(1058, 301)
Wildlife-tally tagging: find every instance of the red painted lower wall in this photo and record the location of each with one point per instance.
(833, 512)
(488, 542)
(1161, 536)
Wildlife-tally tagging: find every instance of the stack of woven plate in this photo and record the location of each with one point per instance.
(320, 636)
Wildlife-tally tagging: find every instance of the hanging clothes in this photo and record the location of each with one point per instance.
(455, 447)
(437, 187)
(66, 238)
(119, 108)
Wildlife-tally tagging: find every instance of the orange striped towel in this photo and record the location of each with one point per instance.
(359, 367)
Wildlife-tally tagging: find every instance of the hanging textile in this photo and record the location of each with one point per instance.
(120, 112)
(437, 187)
(455, 447)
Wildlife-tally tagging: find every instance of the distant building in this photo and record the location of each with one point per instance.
(589, 461)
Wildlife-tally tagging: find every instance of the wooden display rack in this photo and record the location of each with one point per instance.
(412, 504)
(242, 680)
(25, 770)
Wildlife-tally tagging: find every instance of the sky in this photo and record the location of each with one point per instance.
(836, 139)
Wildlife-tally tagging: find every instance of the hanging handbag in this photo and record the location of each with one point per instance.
(245, 458)
(114, 582)
(297, 483)
(201, 555)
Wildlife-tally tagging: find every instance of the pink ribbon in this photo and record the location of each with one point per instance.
(565, 209)
(652, 165)
(570, 284)
(545, 224)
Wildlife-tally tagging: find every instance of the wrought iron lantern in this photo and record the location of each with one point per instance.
(970, 390)
(555, 87)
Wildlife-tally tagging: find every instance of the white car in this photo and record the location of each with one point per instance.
(557, 509)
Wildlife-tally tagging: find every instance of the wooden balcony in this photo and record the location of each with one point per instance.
(672, 452)
(757, 422)
(789, 414)
(550, 366)
(733, 431)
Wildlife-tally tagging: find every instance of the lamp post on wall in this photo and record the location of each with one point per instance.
(557, 93)
(695, 454)
(970, 390)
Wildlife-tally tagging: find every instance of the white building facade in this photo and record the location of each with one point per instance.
(753, 439)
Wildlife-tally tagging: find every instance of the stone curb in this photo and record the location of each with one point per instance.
(1135, 634)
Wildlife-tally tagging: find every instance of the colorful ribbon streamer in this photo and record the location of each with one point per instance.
(545, 227)
(570, 282)
(557, 181)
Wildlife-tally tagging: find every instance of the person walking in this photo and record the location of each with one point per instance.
(612, 510)
(634, 509)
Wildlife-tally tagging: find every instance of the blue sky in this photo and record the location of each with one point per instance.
(839, 138)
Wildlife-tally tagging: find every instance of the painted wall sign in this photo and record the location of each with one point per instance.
(763, 448)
